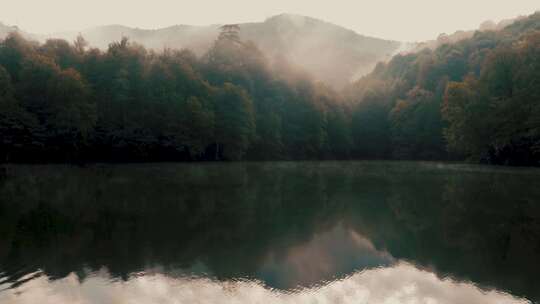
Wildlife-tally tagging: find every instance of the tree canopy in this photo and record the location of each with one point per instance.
(68, 102)
(477, 98)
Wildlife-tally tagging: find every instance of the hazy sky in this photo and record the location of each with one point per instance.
(406, 20)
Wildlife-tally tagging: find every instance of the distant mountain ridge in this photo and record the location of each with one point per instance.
(331, 53)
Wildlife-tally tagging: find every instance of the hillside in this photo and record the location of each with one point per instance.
(477, 98)
(332, 53)
(329, 52)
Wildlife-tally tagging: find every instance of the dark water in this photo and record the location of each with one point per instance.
(309, 232)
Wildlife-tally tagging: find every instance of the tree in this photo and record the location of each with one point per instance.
(466, 111)
(339, 133)
(16, 124)
(235, 125)
(416, 127)
(230, 32)
(61, 52)
(72, 111)
(80, 44)
(370, 127)
(268, 142)
(14, 51)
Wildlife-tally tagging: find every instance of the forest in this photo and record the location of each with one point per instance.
(477, 99)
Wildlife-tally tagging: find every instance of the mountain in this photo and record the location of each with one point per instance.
(477, 98)
(333, 54)
(196, 38)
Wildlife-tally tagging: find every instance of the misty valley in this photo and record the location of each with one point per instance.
(285, 161)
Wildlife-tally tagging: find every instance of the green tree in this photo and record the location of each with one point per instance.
(16, 124)
(466, 111)
(416, 127)
(234, 122)
(371, 128)
(199, 123)
(71, 110)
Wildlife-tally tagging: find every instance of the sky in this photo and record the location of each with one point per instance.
(403, 20)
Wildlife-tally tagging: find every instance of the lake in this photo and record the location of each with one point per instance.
(276, 232)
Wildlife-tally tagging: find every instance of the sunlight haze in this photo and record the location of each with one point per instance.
(413, 20)
(281, 152)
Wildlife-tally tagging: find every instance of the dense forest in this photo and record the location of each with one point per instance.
(476, 99)
(64, 102)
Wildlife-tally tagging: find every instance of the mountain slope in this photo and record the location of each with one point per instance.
(333, 54)
(329, 52)
(478, 98)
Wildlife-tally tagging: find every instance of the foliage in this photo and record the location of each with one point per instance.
(477, 98)
(65, 102)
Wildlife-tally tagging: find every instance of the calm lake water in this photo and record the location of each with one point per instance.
(285, 232)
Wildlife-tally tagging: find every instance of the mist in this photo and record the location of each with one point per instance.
(269, 152)
(330, 53)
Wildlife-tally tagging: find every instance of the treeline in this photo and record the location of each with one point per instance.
(478, 98)
(66, 102)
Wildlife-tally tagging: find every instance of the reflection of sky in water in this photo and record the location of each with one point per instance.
(322, 265)
(263, 233)
(327, 256)
(401, 283)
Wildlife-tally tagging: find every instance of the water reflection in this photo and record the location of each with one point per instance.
(401, 283)
(328, 256)
(327, 232)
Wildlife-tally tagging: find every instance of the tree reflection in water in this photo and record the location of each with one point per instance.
(303, 228)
